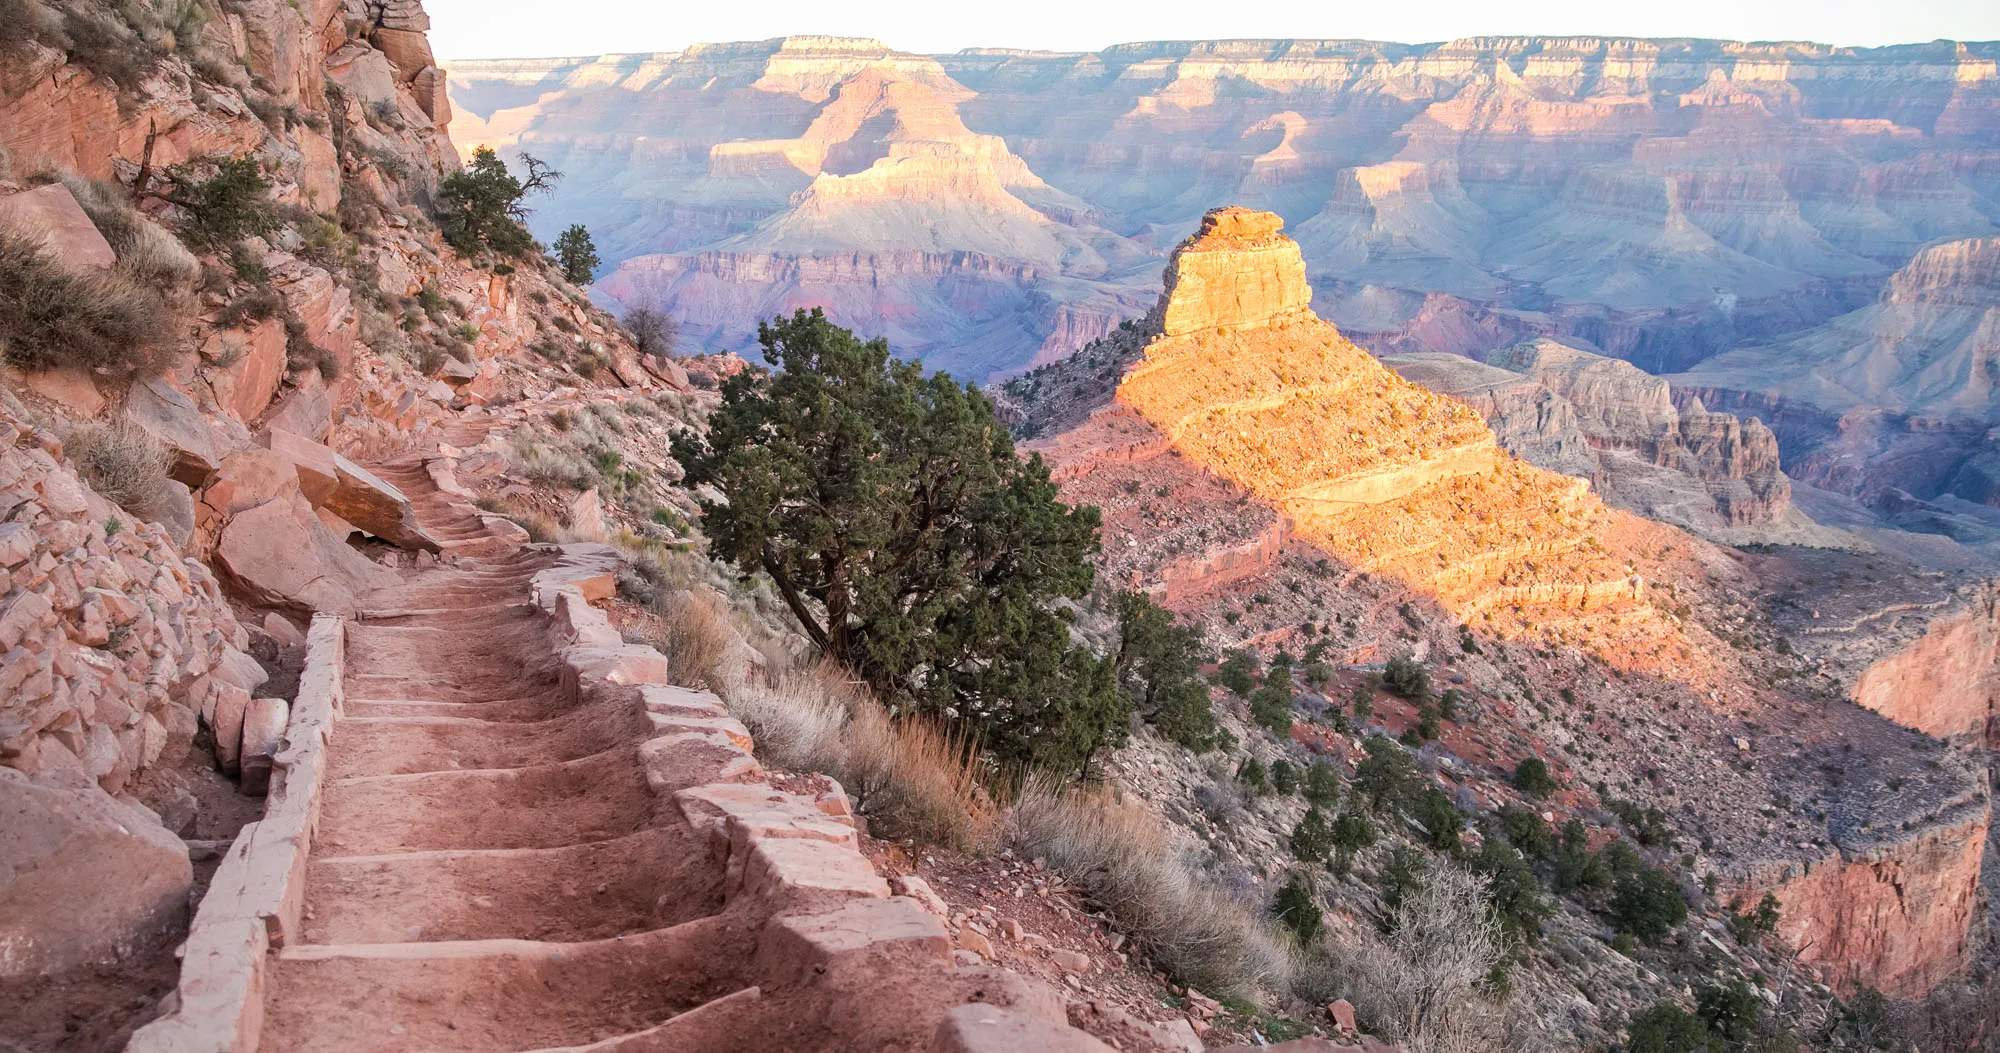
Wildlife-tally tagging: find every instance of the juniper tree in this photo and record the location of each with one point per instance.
(890, 513)
(577, 254)
(479, 208)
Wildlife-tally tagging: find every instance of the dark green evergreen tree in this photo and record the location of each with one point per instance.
(479, 207)
(577, 254)
(889, 511)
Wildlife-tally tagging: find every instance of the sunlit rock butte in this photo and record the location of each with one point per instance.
(1248, 383)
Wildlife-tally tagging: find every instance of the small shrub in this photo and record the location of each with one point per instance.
(1647, 905)
(1407, 678)
(1425, 985)
(1312, 838)
(1532, 777)
(1284, 777)
(1322, 784)
(1387, 774)
(1667, 1028)
(122, 463)
(1238, 672)
(696, 640)
(1754, 923)
(1294, 908)
(1352, 832)
(253, 305)
(53, 317)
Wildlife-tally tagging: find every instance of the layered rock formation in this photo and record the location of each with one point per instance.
(1891, 401)
(1661, 200)
(1247, 383)
(1568, 410)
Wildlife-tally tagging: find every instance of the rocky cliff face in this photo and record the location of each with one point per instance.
(1660, 200)
(1894, 397)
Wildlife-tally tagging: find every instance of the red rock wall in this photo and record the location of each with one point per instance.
(1185, 579)
(1947, 683)
(1898, 918)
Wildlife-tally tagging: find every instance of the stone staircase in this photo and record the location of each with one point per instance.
(526, 840)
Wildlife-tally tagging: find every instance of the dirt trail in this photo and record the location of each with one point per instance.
(490, 872)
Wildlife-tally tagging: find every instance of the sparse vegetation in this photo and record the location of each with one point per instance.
(479, 207)
(1122, 859)
(223, 208)
(52, 317)
(577, 254)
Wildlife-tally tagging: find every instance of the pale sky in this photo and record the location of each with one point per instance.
(521, 28)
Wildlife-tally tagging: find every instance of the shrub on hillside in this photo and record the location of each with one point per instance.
(912, 778)
(1532, 777)
(144, 249)
(1158, 662)
(123, 464)
(1667, 1028)
(577, 254)
(1405, 677)
(1425, 983)
(51, 316)
(224, 208)
(1647, 904)
(1117, 853)
(1294, 908)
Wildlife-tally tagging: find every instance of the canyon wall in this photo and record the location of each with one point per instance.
(1946, 682)
(1660, 201)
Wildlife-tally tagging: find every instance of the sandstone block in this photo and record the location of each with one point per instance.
(51, 216)
(231, 704)
(305, 411)
(407, 50)
(787, 874)
(318, 470)
(675, 762)
(365, 500)
(172, 417)
(70, 388)
(858, 939)
(1238, 272)
(247, 367)
(84, 877)
(983, 1028)
(263, 732)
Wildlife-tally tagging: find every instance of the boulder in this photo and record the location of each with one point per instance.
(72, 389)
(280, 555)
(407, 50)
(51, 216)
(263, 732)
(317, 468)
(306, 410)
(586, 515)
(365, 500)
(246, 367)
(170, 416)
(981, 1027)
(248, 479)
(362, 72)
(84, 877)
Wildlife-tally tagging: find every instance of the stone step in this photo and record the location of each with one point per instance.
(594, 798)
(651, 879)
(714, 1025)
(496, 996)
(401, 745)
(442, 687)
(524, 708)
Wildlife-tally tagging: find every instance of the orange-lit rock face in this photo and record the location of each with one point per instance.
(1248, 383)
(1238, 271)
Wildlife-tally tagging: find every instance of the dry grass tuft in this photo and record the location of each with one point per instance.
(125, 465)
(697, 640)
(51, 316)
(144, 248)
(913, 778)
(1117, 852)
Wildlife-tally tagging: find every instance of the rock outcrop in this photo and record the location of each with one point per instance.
(1248, 384)
(111, 643)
